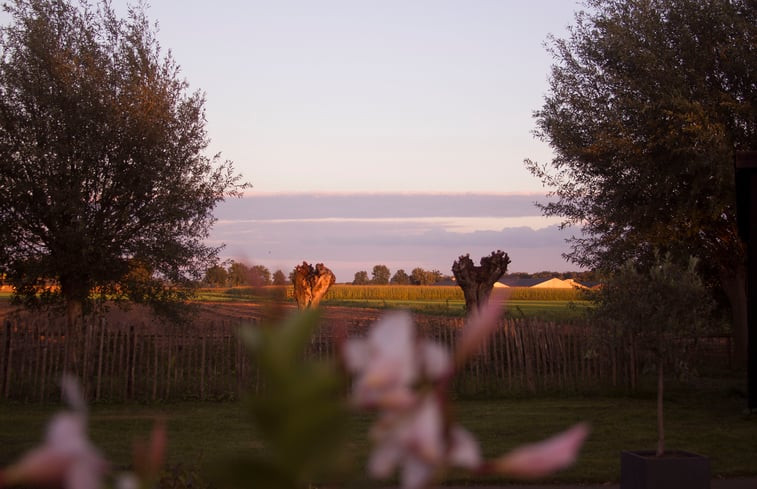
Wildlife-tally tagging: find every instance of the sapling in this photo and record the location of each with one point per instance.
(655, 304)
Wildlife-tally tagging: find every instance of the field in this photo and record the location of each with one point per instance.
(709, 420)
(532, 382)
(547, 304)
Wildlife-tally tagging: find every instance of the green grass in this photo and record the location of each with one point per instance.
(550, 310)
(547, 304)
(710, 422)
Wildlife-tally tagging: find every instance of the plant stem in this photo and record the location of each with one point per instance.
(660, 429)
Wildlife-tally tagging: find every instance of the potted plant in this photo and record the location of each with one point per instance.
(654, 303)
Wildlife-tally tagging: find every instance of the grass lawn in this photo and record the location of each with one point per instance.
(550, 310)
(710, 422)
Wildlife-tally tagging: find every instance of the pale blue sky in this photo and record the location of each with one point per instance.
(382, 95)
(374, 102)
(368, 100)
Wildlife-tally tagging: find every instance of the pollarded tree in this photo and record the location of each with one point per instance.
(648, 102)
(102, 157)
(381, 275)
(477, 281)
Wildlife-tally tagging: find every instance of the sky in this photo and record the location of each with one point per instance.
(375, 132)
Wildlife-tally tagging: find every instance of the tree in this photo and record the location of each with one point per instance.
(361, 278)
(311, 284)
(654, 305)
(101, 158)
(259, 276)
(477, 281)
(239, 274)
(279, 278)
(381, 275)
(400, 277)
(648, 102)
(419, 276)
(216, 276)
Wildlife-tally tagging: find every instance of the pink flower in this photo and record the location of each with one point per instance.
(66, 458)
(390, 361)
(413, 440)
(481, 324)
(543, 458)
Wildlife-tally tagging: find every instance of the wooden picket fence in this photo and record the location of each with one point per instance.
(150, 361)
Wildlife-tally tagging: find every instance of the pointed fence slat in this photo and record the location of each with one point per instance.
(150, 362)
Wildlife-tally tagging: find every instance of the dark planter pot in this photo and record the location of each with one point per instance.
(676, 469)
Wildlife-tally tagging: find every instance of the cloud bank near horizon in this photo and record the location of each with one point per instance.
(352, 232)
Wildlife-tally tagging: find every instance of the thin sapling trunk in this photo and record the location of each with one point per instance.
(660, 428)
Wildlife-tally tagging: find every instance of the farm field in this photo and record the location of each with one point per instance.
(546, 304)
(201, 433)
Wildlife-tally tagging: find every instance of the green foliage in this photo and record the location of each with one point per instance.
(381, 275)
(216, 276)
(259, 276)
(101, 157)
(400, 277)
(419, 276)
(361, 278)
(300, 417)
(279, 278)
(271, 292)
(654, 304)
(644, 153)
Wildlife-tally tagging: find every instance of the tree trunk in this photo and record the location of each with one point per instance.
(660, 427)
(74, 316)
(477, 281)
(734, 286)
(311, 284)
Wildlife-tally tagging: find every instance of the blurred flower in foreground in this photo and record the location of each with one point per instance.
(408, 379)
(391, 361)
(67, 458)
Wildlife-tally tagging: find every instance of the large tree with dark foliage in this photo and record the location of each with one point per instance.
(649, 100)
(103, 170)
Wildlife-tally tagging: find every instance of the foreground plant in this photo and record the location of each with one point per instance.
(407, 380)
(68, 459)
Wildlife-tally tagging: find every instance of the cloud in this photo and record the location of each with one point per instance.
(374, 206)
(354, 232)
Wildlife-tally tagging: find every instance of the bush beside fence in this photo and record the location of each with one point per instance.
(150, 362)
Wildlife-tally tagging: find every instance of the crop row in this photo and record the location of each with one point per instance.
(343, 292)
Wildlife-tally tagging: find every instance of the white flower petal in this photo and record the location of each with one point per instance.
(480, 325)
(356, 355)
(543, 458)
(85, 473)
(384, 459)
(435, 359)
(66, 432)
(72, 393)
(464, 450)
(416, 473)
(423, 434)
